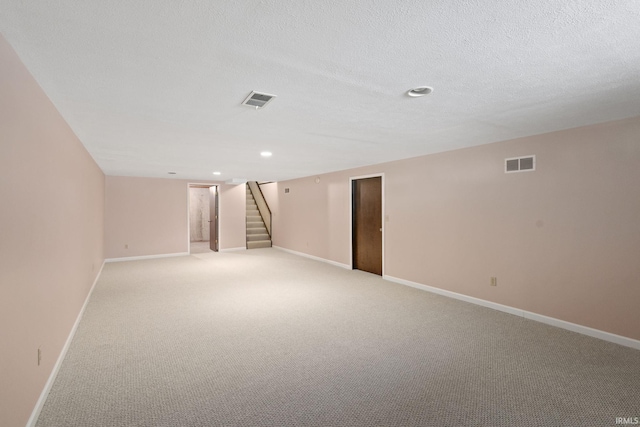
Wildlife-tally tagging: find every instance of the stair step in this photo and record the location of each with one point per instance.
(255, 237)
(259, 244)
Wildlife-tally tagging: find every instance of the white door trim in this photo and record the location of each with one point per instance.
(202, 184)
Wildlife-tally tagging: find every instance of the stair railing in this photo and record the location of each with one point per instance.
(263, 208)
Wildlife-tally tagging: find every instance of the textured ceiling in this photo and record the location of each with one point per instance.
(151, 86)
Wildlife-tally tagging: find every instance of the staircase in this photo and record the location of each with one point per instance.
(257, 234)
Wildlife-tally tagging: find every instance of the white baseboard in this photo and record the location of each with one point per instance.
(54, 373)
(302, 254)
(584, 330)
(241, 248)
(135, 258)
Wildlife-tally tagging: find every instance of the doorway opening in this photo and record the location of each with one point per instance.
(367, 213)
(203, 218)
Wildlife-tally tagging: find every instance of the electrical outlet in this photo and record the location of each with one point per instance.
(39, 356)
(494, 281)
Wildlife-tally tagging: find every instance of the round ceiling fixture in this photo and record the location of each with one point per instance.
(171, 173)
(216, 173)
(419, 91)
(266, 154)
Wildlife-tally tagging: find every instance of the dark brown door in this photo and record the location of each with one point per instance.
(213, 218)
(367, 224)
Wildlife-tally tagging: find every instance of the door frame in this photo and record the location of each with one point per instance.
(382, 185)
(202, 184)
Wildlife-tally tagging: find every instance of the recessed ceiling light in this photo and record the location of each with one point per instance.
(171, 173)
(216, 173)
(266, 154)
(419, 91)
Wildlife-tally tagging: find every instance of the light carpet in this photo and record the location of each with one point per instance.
(199, 247)
(267, 338)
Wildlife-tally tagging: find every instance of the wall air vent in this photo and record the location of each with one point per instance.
(257, 99)
(520, 164)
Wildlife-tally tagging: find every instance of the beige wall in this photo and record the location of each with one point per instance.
(233, 212)
(563, 241)
(145, 216)
(150, 216)
(312, 218)
(51, 240)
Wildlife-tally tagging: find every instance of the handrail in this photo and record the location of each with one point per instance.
(266, 204)
(263, 208)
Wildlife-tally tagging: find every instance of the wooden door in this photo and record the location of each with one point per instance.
(367, 224)
(213, 218)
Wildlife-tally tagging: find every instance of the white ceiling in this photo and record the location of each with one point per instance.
(151, 86)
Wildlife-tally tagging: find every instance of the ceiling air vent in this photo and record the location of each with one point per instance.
(257, 99)
(520, 164)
